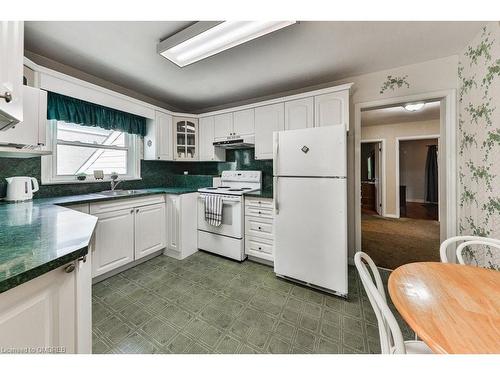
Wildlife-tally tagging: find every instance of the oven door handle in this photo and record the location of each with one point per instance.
(224, 201)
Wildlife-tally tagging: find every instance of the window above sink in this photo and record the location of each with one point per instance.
(79, 150)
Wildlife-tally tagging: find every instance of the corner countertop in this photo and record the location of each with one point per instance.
(260, 194)
(39, 235)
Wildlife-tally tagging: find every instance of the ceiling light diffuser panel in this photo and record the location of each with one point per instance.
(205, 39)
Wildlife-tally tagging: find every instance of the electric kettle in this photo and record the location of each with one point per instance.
(21, 188)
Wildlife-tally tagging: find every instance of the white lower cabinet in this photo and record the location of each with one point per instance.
(259, 228)
(127, 230)
(49, 314)
(181, 225)
(149, 229)
(114, 240)
(173, 218)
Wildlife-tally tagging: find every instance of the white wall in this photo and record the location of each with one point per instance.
(390, 133)
(428, 76)
(412, 160)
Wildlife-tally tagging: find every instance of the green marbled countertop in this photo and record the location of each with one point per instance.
(39, 235)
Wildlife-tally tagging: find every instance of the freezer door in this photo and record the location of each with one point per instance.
(319, 152)
(311, 231)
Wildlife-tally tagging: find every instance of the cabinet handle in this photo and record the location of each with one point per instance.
(260, 248)
(83, 259)
(260, 212)
(260, 228)
(137, 210)
(69, 268)
(7, 96)
(132, 211)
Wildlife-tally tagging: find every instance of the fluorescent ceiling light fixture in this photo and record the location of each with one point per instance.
(205, 39)
(413, 107)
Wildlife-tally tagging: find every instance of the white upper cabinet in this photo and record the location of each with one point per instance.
(165, 144)
(332, 108)
(223, 126)
(244, 122)
(268, 119)
(206, 137)
(11, 72)
(299, 114)
(158, 144)
(31, 131)
(185, 138)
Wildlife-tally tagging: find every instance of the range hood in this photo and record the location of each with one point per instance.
(245, 141)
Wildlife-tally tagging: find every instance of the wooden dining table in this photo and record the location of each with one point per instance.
(453, 308)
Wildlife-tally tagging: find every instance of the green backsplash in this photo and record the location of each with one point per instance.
(154, 174)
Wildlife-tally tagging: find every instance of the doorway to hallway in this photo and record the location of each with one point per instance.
(399, 184)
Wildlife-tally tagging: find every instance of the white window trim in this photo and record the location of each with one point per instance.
(49, 176)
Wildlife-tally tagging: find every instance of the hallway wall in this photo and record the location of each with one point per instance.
(412, 160)
(390, 133)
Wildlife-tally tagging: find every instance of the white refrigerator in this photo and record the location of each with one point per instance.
(310, 201)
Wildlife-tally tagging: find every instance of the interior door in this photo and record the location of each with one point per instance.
(378, 178)
(311, 231)
(319, 152)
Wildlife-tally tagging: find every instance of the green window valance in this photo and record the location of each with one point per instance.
(76, 111)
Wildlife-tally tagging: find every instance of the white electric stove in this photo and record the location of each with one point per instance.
(227, 239)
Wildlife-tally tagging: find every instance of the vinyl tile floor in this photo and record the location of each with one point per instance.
(209, 304)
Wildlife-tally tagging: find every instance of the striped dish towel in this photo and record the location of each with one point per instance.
(213, 210)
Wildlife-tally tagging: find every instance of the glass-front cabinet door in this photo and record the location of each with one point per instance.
(186, 138)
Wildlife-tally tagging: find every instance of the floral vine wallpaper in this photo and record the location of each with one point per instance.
(479, 143)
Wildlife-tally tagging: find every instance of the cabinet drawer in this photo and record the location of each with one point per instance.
(258, 227)
(258, 248)
(126, 203)
(259, 203)
(266, 213)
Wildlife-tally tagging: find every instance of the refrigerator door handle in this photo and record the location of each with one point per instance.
(275, 191)
(275, 153)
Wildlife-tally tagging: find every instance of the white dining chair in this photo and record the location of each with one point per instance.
(464, 245)
(391, 338)
(457, 239)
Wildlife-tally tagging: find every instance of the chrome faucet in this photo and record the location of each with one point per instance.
(114, 182)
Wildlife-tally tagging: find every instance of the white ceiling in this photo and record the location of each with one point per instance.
(397, 115)
(308, 53)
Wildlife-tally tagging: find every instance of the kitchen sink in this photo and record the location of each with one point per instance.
(118, 192)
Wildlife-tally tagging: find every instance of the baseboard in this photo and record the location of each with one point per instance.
(415, 200)
(392, 216)
(125, 267)
(261, 261)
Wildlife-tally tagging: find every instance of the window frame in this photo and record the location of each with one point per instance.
(49, 162)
